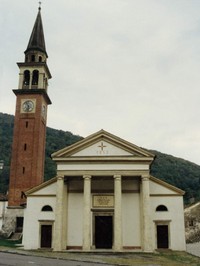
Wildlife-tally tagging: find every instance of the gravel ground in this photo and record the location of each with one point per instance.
(194, 249)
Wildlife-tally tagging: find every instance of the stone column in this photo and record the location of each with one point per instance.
(87, 213)
(118, 213)
(21, 80)
(64, 215)
(146, 221)
(41, 80)
(30, 81)
(59, 239)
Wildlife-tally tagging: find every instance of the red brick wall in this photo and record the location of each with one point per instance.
(28, 150)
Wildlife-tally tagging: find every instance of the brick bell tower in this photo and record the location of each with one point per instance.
(32, 100)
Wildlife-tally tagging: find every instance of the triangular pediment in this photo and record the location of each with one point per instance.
(102, 144)
(104, 148)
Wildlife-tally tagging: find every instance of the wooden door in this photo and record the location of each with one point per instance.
(162, 236)
(46, 236)
(103, 232)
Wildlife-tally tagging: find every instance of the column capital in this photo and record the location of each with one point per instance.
(117, 177)
(60, 177)
(145, 177)
(87, 177)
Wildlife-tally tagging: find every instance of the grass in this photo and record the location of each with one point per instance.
(169, 258)
(9, 243)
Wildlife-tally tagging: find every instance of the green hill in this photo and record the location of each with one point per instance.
(176, 171)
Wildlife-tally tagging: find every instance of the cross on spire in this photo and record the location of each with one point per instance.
(40, 3)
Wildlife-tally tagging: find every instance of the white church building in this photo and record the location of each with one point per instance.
(104, 197)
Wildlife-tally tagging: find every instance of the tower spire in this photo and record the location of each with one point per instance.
(37, 40)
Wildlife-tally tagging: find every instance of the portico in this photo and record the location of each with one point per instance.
(100, 201)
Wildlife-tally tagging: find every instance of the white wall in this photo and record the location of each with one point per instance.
(131, 219)
(75, 219)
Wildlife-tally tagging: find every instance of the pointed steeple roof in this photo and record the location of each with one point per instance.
(37, 41)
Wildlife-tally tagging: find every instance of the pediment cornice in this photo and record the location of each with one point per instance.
(102, 146)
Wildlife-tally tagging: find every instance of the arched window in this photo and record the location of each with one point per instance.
(40, 58)
(26, 77)
(32, 58)
(47, 208)
(35, 77)
(161, 208)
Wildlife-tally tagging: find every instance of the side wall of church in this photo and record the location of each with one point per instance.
(34, 217)
(173, 217)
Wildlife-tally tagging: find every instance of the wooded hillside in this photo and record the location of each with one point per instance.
(176, 171)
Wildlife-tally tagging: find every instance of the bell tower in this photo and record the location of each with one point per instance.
(32, 100)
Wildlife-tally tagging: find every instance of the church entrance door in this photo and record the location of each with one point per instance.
(162, 236)
(103, 232)
(46, 236)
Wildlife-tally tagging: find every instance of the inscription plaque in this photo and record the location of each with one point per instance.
(105, 201)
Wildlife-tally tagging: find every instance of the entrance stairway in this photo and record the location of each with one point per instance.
(16, 236)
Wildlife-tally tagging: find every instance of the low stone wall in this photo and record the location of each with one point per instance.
(194, 249)
(9, 222)
(192, 232)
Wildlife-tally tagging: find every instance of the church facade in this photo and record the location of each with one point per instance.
(104, 197)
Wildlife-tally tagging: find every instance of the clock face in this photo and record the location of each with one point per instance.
(28, 106)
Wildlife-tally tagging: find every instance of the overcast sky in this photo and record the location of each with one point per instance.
(131, 67)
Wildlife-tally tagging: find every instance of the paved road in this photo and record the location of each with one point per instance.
(7, 259)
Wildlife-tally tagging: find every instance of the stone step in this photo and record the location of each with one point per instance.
(16, 236)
